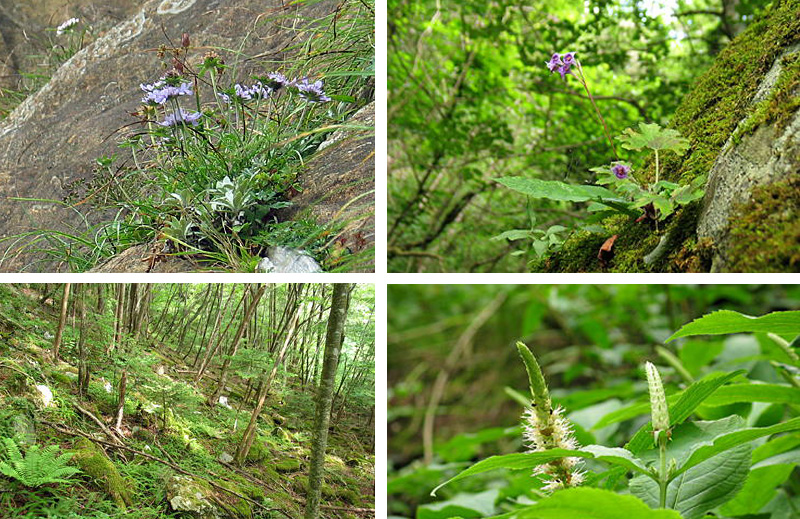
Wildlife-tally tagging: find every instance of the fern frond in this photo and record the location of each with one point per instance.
(38, 467)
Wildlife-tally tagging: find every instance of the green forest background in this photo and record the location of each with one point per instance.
(470, 99)
(455, 377)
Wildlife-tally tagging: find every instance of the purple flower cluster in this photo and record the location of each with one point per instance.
(311, 92)
(181, 117)
(621, 171)
(276, 81)
(245, 93)
(159, 92)
(561, 64)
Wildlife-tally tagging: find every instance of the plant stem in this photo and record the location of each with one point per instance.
(663, 481)
(591, 98)
(656, 166)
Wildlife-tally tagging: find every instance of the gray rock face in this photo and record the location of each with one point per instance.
(339, 184)
(55, 136)
(24, 37)
(763, 157)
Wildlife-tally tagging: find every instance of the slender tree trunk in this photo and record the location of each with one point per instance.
(333, 345)
(121, 403)
(61, 321)
(83, 353)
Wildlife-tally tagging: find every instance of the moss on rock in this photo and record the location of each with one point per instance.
(288, 465)
(94, 462)
(766, 233)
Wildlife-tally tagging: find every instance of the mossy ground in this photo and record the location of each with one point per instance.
(708, 116)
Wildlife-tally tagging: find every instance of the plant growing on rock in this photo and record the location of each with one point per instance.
(681, 468)
(623, 194)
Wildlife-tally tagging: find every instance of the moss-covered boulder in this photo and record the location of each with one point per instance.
(742, 119)
(94, 463)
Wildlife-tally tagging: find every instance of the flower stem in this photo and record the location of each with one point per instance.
(591, 98)
(663, 481)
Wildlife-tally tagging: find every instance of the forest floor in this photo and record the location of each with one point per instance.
(171, 444)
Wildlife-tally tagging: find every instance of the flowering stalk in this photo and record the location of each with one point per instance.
(563, 65)
(660, 419)
(546, 428)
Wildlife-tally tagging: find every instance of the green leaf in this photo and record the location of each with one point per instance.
(516, 234)
(555, 190)
(591, 503)
(727, 321)
(461, 505)
(521, 461)
(702, 488)
(770, 393)
(516, 461)
(731, 440)
(654, 137)
(759, 489)
(683, 408)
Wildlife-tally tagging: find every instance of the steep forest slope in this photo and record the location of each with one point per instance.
(146, 407)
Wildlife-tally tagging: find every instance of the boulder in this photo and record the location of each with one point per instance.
(186, 494)
(197, 499)
(24, 430)
(55, 136)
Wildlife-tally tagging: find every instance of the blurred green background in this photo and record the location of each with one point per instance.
(454, 372)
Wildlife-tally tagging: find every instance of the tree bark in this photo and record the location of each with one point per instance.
(333, 345)
(61, 321)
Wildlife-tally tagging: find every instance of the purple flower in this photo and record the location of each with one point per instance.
(564, 70)
(245, 93)
(312, 92)
(276, 81)
(181, 117)
(621, 171)
(158, 93)
(225, 98)
(554, 62)
(569, 58)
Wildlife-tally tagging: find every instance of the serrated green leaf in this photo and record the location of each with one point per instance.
(702, 488)
(652, 136)
(522, 461)
(591, 503)
(516, 461)
(731, 440)
(727, 321)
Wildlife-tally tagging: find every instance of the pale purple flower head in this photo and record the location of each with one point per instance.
(621, 171)
(181, 117)
(158, 93)
(569, 58)
(276, 81)
(245, 93)
(561, 63)
(564, 70)
(312, 92)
